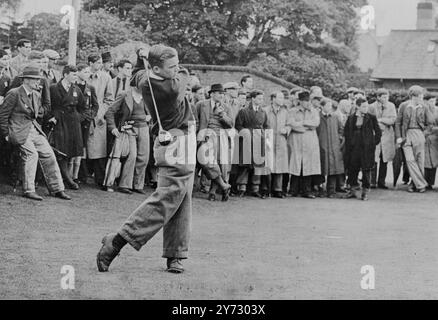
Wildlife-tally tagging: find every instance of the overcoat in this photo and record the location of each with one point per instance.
(431, 148)
(277, 121)
(91, 107)
(67, 108)
(330, 132)
(250, 140)
(303, 143)
(97, 140)
(360, 154)
(386, 116)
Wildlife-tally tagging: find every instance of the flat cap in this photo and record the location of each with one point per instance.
(51, 54)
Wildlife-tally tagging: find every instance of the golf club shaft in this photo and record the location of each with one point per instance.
(152, 94)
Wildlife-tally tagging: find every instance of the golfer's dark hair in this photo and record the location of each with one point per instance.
(244, 79)
(22, 42)
(69, 68)
(92, 58)
(160, 53)
(122, 63)
(81, 66)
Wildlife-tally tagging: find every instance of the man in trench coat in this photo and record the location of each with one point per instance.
(385, 152)
(304, 145)
(97, 139)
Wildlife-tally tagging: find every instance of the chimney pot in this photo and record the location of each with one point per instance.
(425, 16)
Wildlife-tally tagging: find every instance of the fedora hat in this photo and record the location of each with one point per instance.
(31, 72)
(216, 88)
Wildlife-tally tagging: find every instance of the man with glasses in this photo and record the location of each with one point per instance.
(24, 48)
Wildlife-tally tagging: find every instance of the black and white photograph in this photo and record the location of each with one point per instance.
(226, 151)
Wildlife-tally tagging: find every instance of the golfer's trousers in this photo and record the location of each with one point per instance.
(414, 153)
(169, 207)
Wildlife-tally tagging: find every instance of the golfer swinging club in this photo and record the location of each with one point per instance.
(170, 206)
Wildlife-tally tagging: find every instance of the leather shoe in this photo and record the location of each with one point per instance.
(174, 265)
(107, 253)
(258, 195)
(140, 191)
(309, 196)
(125, 190)
(382, 186)
(211, 197)
(72, 185)
(279, 195)
(33, 196)
(226, 195)
(62, 195)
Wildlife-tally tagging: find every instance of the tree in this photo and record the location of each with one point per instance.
(98, 30)
(10, 4)
(272, 35)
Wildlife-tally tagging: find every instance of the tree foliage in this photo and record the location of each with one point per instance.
(98, 29)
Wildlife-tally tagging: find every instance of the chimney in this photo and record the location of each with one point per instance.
(425, 16)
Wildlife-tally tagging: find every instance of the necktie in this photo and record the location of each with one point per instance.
(124, 82)
(117, 86)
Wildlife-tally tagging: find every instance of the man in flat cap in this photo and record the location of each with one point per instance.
(411, 122)
(386, 115)
(346, 105)
(231, 97)
(49, 71)
(251, 123)
(214, 118)
(303, 146)
(18, 125)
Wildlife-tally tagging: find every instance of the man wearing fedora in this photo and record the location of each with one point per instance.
(18, 125)
(214, 118)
